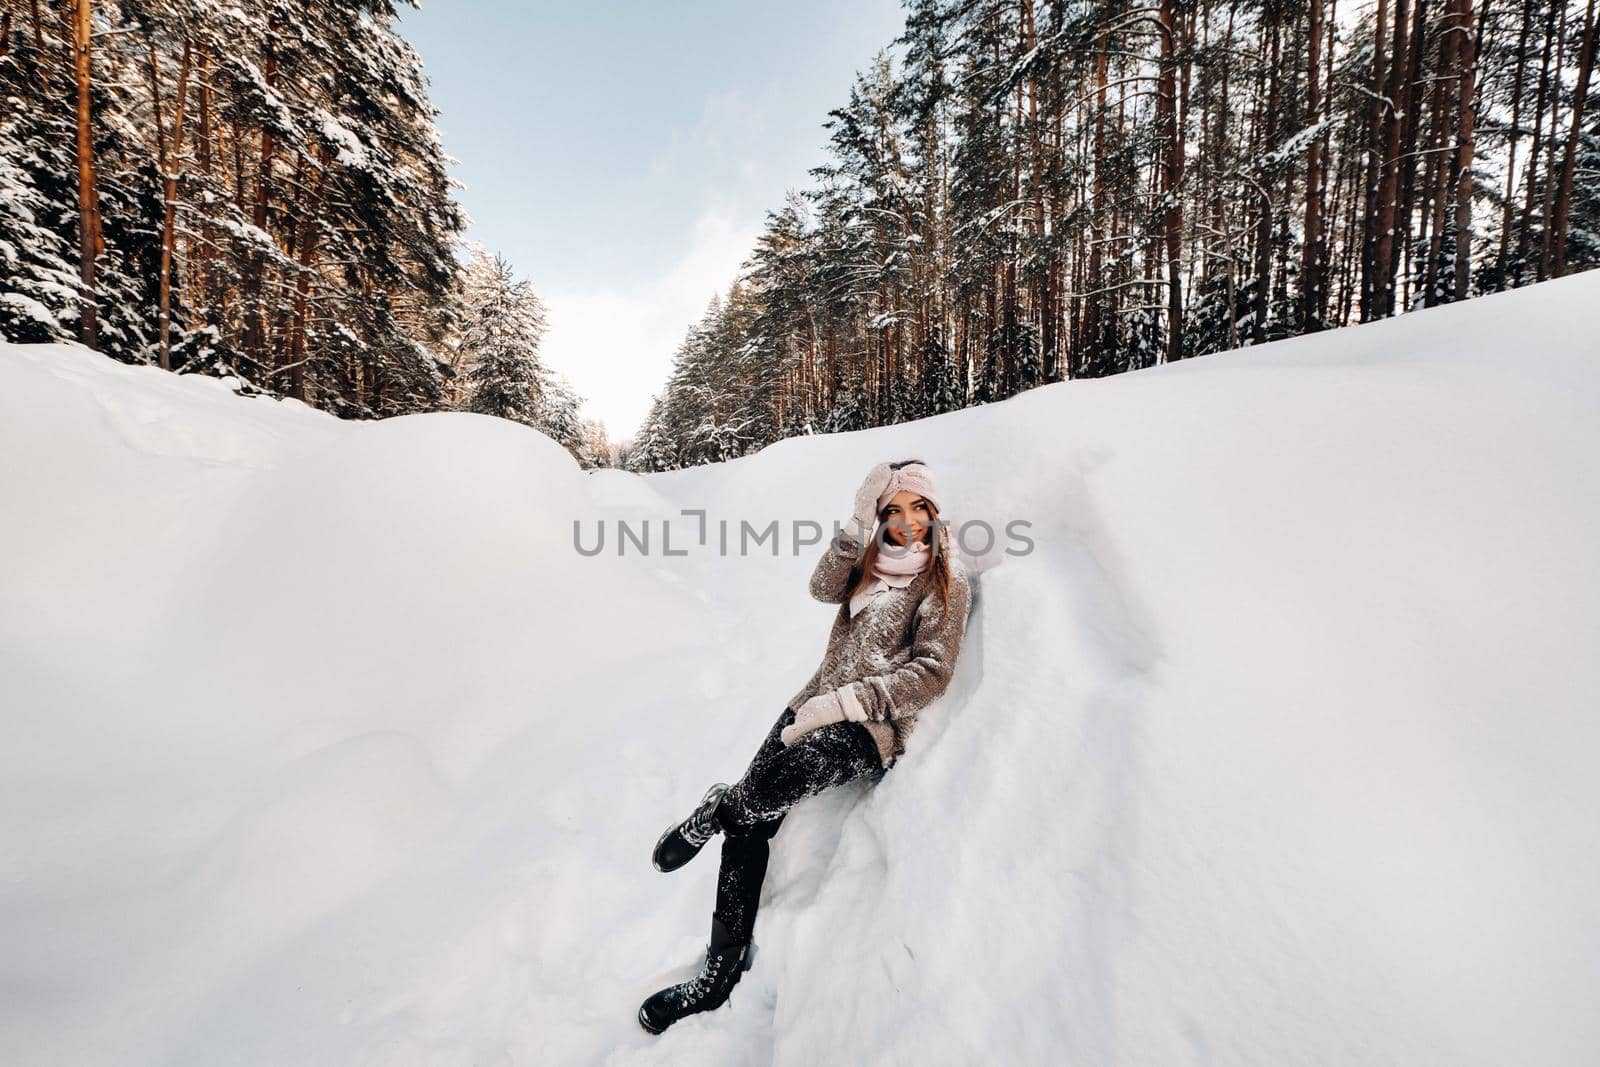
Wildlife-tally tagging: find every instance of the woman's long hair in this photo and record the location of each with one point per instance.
(940, 578)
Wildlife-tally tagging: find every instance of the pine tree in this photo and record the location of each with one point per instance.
(849, 412)
(505, 323)
(559, 415)
(39, 293)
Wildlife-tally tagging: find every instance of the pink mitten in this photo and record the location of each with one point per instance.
(820, 710)
(865, 506)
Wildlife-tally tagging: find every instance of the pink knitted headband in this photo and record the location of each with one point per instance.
(912, 478)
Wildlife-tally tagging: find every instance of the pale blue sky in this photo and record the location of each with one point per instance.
(622, 156)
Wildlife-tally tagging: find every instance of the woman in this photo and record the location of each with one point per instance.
(892, 650)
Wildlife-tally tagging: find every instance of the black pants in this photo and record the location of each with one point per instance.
(753, 807)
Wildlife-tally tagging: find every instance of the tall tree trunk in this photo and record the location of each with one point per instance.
(90, 242)
(1093, 336)
(1311, 254)
(1374, 167)
(1552, 173)
(1466, 112)
(1401, 261)
(1172, 176)
(1502, 260)
(1040, 286)
(169, 159)
(201, 269)
(256, 333)
(1388, 186)
(1441, 195)
(1531, 184)
(1558, 223)
(1264, 221)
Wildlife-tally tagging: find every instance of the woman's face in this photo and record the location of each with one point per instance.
(906, 516)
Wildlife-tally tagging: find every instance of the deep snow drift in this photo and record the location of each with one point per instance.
(323, 744)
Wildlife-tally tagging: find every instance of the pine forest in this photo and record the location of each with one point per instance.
(1015, 192)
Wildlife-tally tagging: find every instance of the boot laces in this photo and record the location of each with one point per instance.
(702, 982)
(698, 829)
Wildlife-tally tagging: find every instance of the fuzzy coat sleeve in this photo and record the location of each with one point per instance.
(830, 580)
(938, 631)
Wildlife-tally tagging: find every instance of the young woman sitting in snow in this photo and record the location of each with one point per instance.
(891, 653)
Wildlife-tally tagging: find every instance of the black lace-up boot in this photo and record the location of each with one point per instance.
(683, 841)
(726, 960)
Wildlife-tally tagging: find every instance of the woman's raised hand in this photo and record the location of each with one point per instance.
(865, 513)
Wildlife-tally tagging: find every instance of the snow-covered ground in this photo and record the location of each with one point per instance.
(324, 745)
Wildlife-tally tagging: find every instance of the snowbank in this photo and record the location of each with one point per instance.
(324, 744)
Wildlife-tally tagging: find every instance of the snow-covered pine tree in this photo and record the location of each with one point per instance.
(920, 102)
(595, 448)
(941, 386)
(1145, 345)
(865, 196)
(654, 447)
(788, 317)
(40, 81)
(558, 417)
(1583, 224)
(1218, 314)
(38, 270)
(504, 324)
(982, 204)
(849, 411)
(706, 407)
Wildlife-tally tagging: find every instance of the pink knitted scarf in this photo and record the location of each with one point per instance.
(896, 570)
